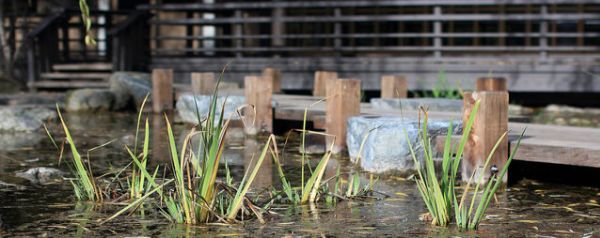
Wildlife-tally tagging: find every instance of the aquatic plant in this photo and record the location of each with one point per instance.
(469, 218)
(439, 192)
(438, 195)
(442, 89)
(84, 185)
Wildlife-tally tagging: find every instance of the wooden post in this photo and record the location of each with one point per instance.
(490, 123)
(162, 90)
(203, 83)
(320, 84)
(393, 86)
(343, 101)
(276, 75)
(491, 84)
(258, 92)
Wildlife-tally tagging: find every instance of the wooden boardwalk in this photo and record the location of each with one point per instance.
(542, 143)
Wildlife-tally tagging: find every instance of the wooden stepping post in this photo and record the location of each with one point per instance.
(343, 101)
(203, 83)
(162, 90)
(491, 84)
(259, 92)
(320, 83)
(393, 86)
(490, 123)
(276, 75)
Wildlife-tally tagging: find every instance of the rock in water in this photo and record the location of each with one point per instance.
(90, 100)
(433, 104)
(23, 119)
(41, 175)
(386, 148)
(189, 106)
(130, 88)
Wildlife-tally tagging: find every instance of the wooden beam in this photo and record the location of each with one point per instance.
(162, 90)
(258, 91)
(275, 74)
(393, 86)
(203, 83)
(491, 122)
(320, 83)
(343, 101)
(491, 84)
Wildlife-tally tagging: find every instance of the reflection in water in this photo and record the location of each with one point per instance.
(526, 209)
(252, 150)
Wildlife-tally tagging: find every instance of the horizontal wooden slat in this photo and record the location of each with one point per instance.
(363, 3)
(83, 67)
(380, 18)
(68, 84)
(83, 75)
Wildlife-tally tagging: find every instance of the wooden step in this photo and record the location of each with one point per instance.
(83, 67)
(78, 75)
(47, 84)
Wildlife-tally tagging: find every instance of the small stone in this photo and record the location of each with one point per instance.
(24, 119)
(41, 175)
(90, 100)
(130, 88)
(190, 106)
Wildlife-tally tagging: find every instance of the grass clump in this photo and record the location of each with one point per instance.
(438, 190)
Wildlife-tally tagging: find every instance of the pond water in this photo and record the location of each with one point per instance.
(529, 208)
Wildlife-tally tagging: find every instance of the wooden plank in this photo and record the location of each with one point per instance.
(259, 92)
(343, 101)
(162, 90)
(320, 82)
(275, 74)
(83, 67)
(491, 122)
(393, 86)
(68, 84)
(203, 83)
(491, 84)
(57, 75)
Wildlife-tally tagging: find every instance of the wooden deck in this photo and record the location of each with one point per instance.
(542, 143)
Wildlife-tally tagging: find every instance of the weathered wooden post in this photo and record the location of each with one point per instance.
(343, 101)
(393, 86)
(162, 90)
(275, 74)
(259, 92)
(491, 122)
(203, 83)
(320, 83)
(491, 84)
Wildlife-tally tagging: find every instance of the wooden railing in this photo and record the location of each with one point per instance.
(131, 46)
(354, 28)
(42, 45)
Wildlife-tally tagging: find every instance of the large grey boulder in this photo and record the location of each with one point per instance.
(433, 104)
(24, 119)
(190, 106)
(386, 145)
(90, 100)
(130, 88)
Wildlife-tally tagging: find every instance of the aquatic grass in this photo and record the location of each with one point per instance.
(84, 185)
(469, 219)
(439, 195)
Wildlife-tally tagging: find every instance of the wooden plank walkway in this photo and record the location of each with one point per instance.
(542, 143)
